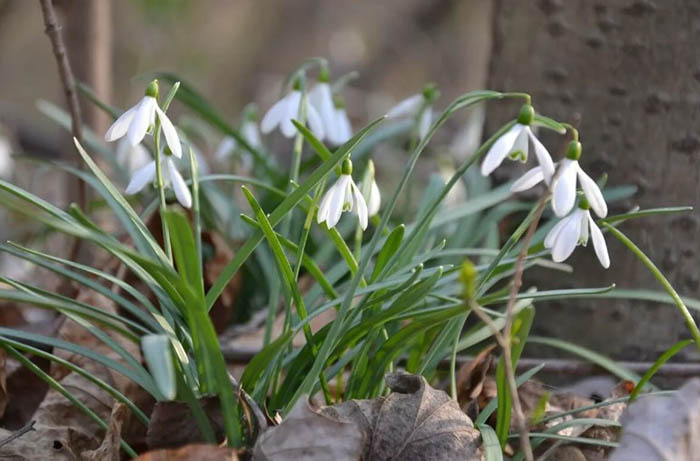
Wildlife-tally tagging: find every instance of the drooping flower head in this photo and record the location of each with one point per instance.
(418, 106)
(289, 108)
(248, 129)
(342, 196)
(574, 230)
(131, 158)
(137, 121)
(515, 144)
(171, 177)
(370, 190)
(564, 187)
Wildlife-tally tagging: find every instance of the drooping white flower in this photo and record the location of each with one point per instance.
(342, 196)
(321, 99)
(135, 122)
(171, 177)
(6, 161)
(564, 187)
(342, 129)
(574, 230)
(249, 132)
(288, 108)
(515, 144)
(370, 190)
(418, 105)
(131, 157)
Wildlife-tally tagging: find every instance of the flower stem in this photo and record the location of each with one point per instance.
(161, 195)
(690, 322)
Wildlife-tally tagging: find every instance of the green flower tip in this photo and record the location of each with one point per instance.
(468, 275)
(583, 203)
(370, 168)
(324, 75)
(297, 84)
(347, 166)
(167, 151)
(338, 101)
(251, 113)
(152, 89)
(430, 92)
(574, 151)
(526, 114)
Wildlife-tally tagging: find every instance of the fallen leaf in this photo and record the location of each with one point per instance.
(109, 449)
(414, 422)
(309, 435)
(197, 452)
(471, 378)
(172, 424)
(659, 428)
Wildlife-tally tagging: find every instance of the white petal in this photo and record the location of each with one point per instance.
(564, 189)
(314, 122)
(321, 99)
(543, 157)
(291, 112)
(601, 249)
(374, 199)
(170, 133)
(342, 131)
(325, 205)
(139, 157)
(553, 233)
(521, 144)
(142, 120)
(120, 125)
(361, 205)
(500, 149)
(426, 119)
(250, 133)
(567, 239)
(583, 236)
(528, 180)
(141, 177)
(227, 145)
(592, 193)
(182, 192)
(337, 201)
(274, 115)
(408, 106)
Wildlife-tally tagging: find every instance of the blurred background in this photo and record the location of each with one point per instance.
(626, 71)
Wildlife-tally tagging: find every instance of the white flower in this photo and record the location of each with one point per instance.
(564, 187)
(135, 122)
(6, 161)
(248, 131)
(131, 157)
(515, 143)
(572, 231)
(171, 177)
(288, 108)
(410, 107)
(321, 99)
(339, 130)
(342, 196)
(370, 191)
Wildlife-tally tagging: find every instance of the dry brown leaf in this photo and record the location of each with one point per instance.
(471, 379)
(197, 452)
(62, 431)
(109, 449)
(414, 422)
(309, 435)
(172, 424)
(661, 428)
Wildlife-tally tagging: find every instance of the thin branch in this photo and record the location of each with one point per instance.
(53, 30)
(17, 434)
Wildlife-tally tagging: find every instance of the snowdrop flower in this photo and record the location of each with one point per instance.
(131, 157)
(419, 105)
(288, 108)
(342, 196)
(564, 187)
(574, 230)
(515, 142)
(248, 131)
(135, 122)
(370, 190)
(171, 177)
(339, 130)
(6, 162)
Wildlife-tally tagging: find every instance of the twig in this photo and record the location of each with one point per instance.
(17, 434)
(53, 30)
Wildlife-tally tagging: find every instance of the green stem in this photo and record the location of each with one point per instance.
(690, 322)
(194, 171)
(161, 195)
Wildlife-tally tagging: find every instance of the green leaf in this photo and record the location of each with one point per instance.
(185, 251)
(492, 447)
(391, 245)
(665, 357)
(488, 410)
(262, 360)
(156, 352)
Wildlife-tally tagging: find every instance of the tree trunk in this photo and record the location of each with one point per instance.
(628, 69)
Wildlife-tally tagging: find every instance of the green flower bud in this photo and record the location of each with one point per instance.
(468, 275)
(574, 151)
(347, 166)
(526, 114)
(324, 75)
(297, 84)
(338, 101)
(430, 92)
(152, 89)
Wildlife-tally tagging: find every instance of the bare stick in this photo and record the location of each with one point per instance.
(53, 30)
(17, 434)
